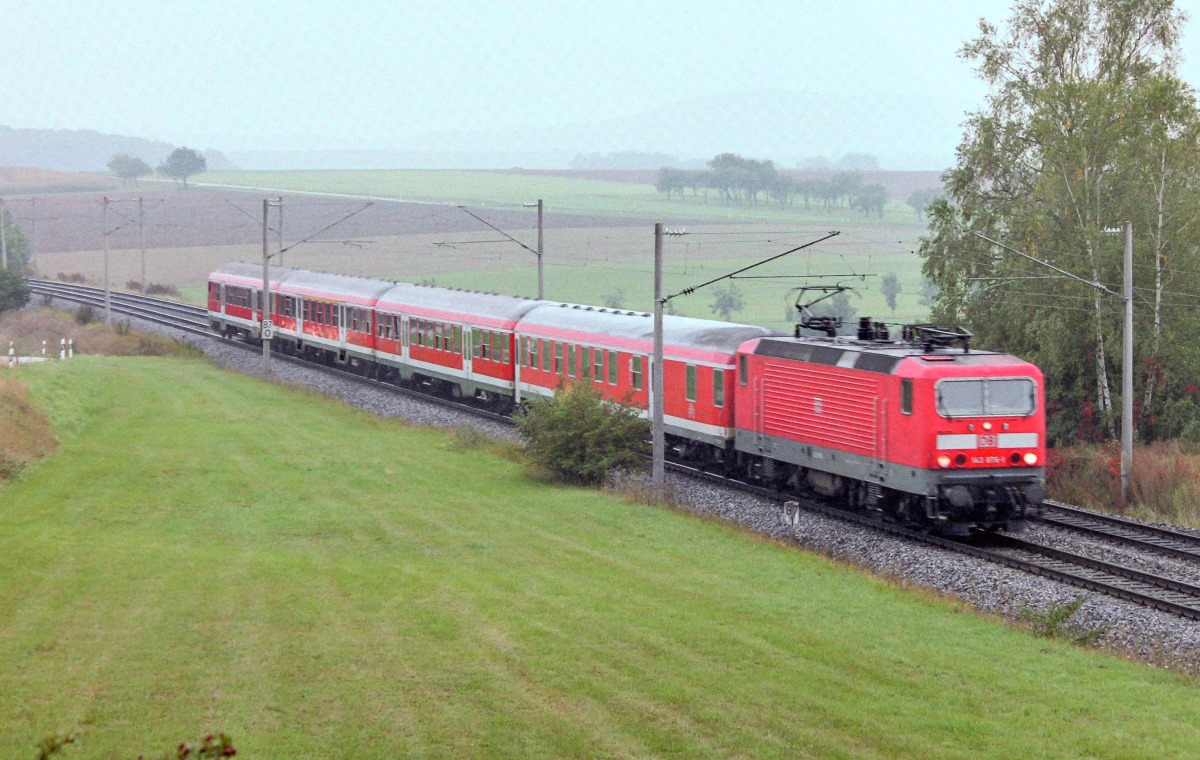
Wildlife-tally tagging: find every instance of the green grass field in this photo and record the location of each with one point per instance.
(206, 552)
(562, 194)
(766, 301)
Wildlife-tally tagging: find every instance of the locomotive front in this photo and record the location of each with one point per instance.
(979, 422)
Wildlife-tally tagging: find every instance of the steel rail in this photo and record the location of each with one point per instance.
(1152, 538)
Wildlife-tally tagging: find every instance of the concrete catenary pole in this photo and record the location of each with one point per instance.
(279, 251)
(142, 237)
(3, 236)
(107, 290)
(1127, 371)
(266, 293)
(540, 251)
(658, 435)
(33, 246)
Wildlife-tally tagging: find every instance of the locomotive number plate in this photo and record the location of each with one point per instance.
(986, 442)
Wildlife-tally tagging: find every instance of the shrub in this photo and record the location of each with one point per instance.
(1056, 623)
(86, 314)
(1166, 479)
(578, 436)
(14, 291)
(71, 277)
(159, 289)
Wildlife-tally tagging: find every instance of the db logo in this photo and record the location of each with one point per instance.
(987, 442)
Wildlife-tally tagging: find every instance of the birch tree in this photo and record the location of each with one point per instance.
(1049, 165)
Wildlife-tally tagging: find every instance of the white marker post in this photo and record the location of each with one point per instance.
(62, 349)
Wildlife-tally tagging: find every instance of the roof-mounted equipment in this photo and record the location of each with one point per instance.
(930, 337)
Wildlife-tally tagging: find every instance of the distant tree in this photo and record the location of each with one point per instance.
(129, 168)
(615, 300)
(14, 291)
(670, 181)
(919, 200)
(870, 198)
(863, 162)
(929, 292)
(844, 185)
(727, 301)
(819, 163)
(579, 436)
(890, 289)
(183, 163)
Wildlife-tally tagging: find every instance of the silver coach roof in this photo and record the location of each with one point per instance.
(453, 301)
(687, 332)
(332, 284)
(253, 271)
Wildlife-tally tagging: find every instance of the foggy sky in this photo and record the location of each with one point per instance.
(692, 78)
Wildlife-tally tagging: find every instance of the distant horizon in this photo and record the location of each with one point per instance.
(535, 78)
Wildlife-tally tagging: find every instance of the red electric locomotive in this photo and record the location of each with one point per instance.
(922, 429)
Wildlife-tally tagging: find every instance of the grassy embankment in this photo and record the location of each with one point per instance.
(208, 552)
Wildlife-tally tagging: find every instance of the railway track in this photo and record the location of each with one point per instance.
(181, 316)
(1151, 538)
(1165, 594)
(1157, 592)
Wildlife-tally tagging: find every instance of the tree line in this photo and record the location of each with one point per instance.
(1086, 125)
(182, 163)
(734, 179)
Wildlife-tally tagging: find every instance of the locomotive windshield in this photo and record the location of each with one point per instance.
(986, 397)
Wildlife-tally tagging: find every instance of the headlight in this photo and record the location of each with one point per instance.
(943, 460)
(1030, 458)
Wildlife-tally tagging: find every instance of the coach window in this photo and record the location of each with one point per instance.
(598, 365)
(718, 388)
(546, 348)
(742, 369)
(366, 322)
(612, 367)
(691, 382)
(558, 358)
(457, 337)
(906, 396)
(635, 369)
(500, 349)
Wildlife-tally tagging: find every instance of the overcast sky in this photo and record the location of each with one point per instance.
(689, 78)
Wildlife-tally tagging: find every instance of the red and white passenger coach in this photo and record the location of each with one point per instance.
(930, 433)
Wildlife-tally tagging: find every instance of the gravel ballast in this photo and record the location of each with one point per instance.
(1123, 627)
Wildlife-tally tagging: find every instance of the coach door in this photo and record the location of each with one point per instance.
(468, 351)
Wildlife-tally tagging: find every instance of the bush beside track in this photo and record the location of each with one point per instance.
(343, 581)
